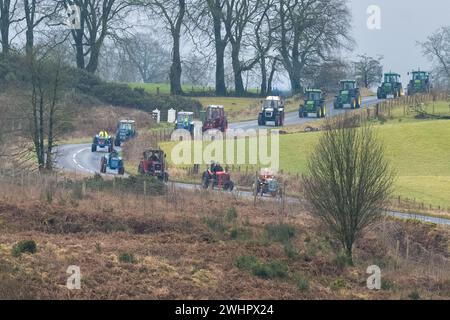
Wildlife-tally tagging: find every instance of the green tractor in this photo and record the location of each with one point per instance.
(349, 95)
(314, 105)
(420, 83)
(391, 88)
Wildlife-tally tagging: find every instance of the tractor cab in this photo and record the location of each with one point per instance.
(154, 164)
(420, 82)
(314, 104)
(349, 95)
(215, 119)
(126, 129)
(391, 87)
(185, 121)
(272, 109)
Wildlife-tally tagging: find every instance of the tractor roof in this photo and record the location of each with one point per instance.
(185, 113)
(348, 80)
(314, 90)
(128, 121)
(273, 98)
(392, 74)
(418, 71)
(215, 107)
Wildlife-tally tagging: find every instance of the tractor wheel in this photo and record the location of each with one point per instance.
(273, 194)
(277, 121)
(110, 149)
(231, 186)
(322, 111)
(117, 142)
(141, 170)
(260, 120)
(94, 148)
(359, 102)
(300, 114)
(319, 113)
(166, 177)
(121, 171)
(353, 103)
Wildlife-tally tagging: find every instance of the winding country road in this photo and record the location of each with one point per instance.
(79, 158)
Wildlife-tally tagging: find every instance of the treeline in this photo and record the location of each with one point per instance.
(271, 38)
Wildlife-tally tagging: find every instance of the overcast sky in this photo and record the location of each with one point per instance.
(403, 23)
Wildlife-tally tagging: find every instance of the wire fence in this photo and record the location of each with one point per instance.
(420, 258)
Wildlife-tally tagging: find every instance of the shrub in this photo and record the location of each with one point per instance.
(232, 214)
(216, 223)
(338, 284)
(25, 246)
(126, 257)
(342, 261)
(302, 282)
(414, 295)
(240, 234)
(290, 251)
(280, 232)
(270, 270)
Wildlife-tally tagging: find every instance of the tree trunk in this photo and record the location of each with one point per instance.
(238, 82)
(29, 41)
(272, 74)
(221, 89)
(263, 88)
(295, 82)
(93, 58)
(175, 69)
(4, 27)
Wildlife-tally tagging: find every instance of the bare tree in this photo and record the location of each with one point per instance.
(36, 13)
(45, 110)
(8, 17)
(196, 70)
(172, 12)
(148, 56)
(99, 19)
(349, 181)
(308, 31)
(437, 49)
(238, 16)
(368, 70)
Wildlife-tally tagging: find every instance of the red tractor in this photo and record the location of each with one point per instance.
(215, 119)
(216, 177)
(154, 164)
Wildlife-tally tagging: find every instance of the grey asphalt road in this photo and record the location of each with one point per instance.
(79, 158)
(292, 118)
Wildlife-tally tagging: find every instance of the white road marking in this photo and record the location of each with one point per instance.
(74, 158)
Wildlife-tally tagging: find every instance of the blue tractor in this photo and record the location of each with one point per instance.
(185, 121)
(126, 129)
(102, 140)
(112, 162)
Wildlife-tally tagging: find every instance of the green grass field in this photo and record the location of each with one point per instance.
(164, 88)
(419, 151)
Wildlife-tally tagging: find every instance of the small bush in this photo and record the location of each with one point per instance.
(232, 214)
(342, 261)
(290, 251)
(270, 270)
(25, 246)
(240, 234)
(216, 223)
(280, 232)
(338, 284)
(302, 282)
(387, 285)
(414, 295)
(126, 257)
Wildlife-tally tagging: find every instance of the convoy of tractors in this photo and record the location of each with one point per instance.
(272, 112)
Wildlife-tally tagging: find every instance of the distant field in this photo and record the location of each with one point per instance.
(164, 88)
(419, 151)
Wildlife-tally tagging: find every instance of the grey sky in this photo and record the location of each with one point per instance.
(403, 23)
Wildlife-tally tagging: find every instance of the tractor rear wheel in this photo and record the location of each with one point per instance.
(94, 148)
(121, 171)
(231, 186)
(117, 142)
(166, 177)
